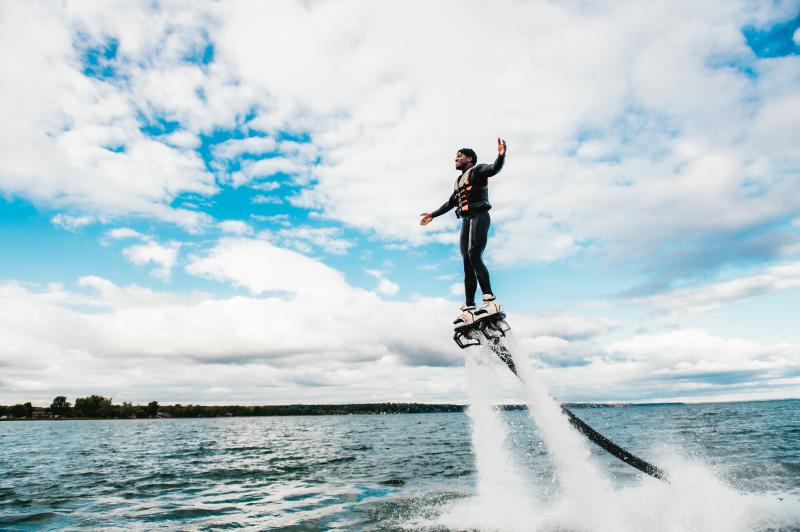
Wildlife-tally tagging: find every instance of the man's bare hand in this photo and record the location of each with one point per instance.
(426, 218)
(501, 146)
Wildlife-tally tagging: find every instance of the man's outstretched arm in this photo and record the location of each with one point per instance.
(428, 216)
(484, 170)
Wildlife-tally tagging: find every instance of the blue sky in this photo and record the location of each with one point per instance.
(194, 209)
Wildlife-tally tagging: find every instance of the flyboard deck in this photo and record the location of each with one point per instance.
(492, 331)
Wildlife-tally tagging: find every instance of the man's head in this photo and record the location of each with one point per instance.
(465, 157)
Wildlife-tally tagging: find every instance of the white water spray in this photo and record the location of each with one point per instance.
(695, 500)
(500, 488)
(496, 476)
(583, 483)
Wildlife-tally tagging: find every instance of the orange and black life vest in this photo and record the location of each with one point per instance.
(470, 198)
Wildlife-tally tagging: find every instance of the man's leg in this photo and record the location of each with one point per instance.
(470, 281)
(479, 233)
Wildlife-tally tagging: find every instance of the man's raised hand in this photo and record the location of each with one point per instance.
(426, 218)
(501, 146)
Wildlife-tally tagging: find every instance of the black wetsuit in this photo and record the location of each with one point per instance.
(474, 226)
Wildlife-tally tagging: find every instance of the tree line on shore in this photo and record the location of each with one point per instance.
(100, 407)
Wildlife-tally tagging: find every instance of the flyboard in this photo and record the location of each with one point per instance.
(491, 331)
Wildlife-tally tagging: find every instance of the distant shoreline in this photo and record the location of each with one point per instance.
(107, 410)
(98, 407)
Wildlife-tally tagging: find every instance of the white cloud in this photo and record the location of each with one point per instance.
(108, 294)
(279, 219)
(264, 168)
(304, 152)
(385, 286)
(121, 233)
(684, 365)
(73, 141)
(532, 240)
(183, 139)
(262, 267)
(291, 158)
(796, 36)
(697, 299)
(652, 88)
(71, 223)
(658, 134)
(233, 148)
(327, 332)
(262, 199)
(236, 227)
(163, 256)
(305, 238)
(565, 325)
(689, 353)
(331, 342)
(266, 186)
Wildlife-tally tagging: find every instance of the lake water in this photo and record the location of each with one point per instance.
(733, 466)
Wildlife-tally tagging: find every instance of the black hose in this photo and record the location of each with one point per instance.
(594, 436)
(614, 449)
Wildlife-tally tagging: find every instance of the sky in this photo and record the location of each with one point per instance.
(218, 202)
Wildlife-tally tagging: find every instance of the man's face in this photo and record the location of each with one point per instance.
(462, 161)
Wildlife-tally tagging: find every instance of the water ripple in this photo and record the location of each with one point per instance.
(345, 472)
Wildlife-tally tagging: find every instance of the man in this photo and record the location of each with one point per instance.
(470, 198)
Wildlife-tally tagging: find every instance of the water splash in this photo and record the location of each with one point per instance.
(501, 490)
(496, 475)
(582, 481)
(695, 500)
